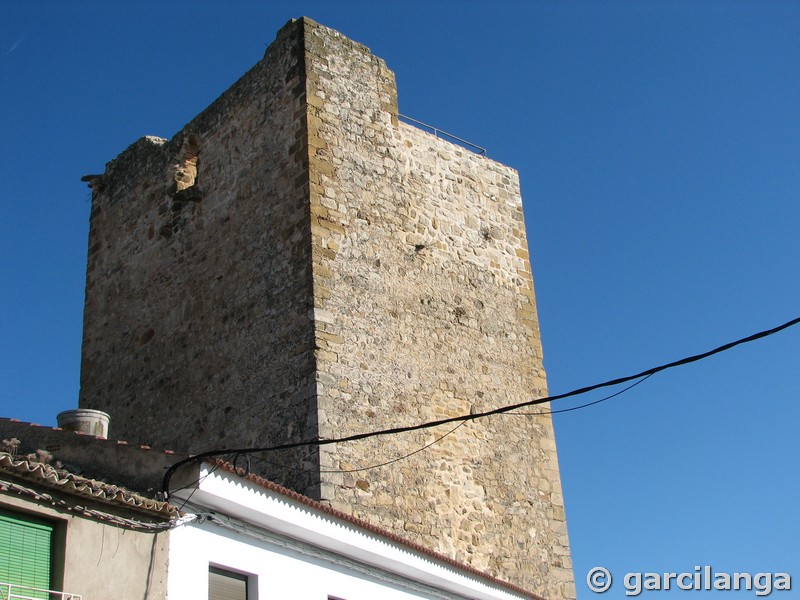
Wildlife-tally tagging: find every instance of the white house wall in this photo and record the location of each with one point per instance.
(276, 573)
(291, 550)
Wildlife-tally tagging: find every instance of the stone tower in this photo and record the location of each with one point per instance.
(297, 264)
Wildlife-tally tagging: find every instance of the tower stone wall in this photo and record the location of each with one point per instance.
(298, 263)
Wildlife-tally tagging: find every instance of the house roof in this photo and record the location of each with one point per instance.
(367, 526)
(137, 467)
(64, 481)
(129, 456)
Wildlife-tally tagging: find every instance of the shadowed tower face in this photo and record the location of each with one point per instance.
(297, 263)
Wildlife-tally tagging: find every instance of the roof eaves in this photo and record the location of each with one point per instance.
(362, 524)
(64, 481)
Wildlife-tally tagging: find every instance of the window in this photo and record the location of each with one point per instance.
(226, 585)
(25, 552)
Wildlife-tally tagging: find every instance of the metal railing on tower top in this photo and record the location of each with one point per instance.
(439, 133)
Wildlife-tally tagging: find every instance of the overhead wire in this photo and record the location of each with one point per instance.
(399, 458)
(479, 415)
(194, 485)
(426, 446)
(285, 467)
(367, 468)
(565, 410)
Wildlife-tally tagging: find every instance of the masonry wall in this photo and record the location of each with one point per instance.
(422, 275)
(140, 469)
(197, 332)
(323, 270)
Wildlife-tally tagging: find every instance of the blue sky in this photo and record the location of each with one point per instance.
(658, 146)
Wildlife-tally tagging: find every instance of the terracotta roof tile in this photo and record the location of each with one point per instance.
(360, 523)
(83, 434)
(70, 483)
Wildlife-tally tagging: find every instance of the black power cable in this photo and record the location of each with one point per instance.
(434, 442)
(470, 417)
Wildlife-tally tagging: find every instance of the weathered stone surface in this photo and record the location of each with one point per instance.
(196, 338)
(341, 272)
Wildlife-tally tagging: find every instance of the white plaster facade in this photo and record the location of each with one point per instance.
(290, 548)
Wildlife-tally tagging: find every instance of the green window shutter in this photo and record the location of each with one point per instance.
(25, 550)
